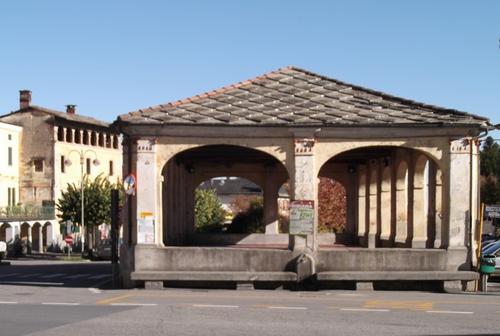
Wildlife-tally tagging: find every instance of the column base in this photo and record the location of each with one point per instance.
(366, 286)
(418, 242)
(372, 240)
(153, 284)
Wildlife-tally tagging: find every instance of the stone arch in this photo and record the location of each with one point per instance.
(329, 152)
(25, 231)
(184, 171)
(382, 183)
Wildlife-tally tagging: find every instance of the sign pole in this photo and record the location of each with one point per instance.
(114, 236)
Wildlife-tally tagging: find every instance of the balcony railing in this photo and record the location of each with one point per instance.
(27, 212)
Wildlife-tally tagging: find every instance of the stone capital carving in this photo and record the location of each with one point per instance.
(304, 146)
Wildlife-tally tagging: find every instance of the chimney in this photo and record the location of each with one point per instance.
(24, 99)
(71, 109)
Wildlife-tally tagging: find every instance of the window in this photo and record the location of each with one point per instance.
(60, 134)
(111, 168)
(78, 138)
(10, 156)
(38, 163)
(63, 166)
(10, 136)
(89, 166)
(9, 200)
(13, 196)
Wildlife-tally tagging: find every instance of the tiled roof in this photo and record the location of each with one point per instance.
(66, 116)
(295, 97)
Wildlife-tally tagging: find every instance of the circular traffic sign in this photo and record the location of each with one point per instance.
(129, 184)
(68, 240)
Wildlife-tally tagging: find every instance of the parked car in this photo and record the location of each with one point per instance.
(494, 250)
(102, 251)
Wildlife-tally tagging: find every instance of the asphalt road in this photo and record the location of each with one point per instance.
(79, 310)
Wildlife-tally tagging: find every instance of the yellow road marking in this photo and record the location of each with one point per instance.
(114, 299)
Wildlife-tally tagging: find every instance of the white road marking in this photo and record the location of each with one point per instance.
(32, 283)
(214, 306)
(134, 304)
(50, 276)
(365, 310)
(8, 302)
(100, 276)
(95, 290)
(61, 303)
(287, 307)
(30, 275)
(76, 276)
(448, 312)
(9, 275)
(348, 294)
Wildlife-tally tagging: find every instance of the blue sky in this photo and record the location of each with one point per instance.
(112, 57)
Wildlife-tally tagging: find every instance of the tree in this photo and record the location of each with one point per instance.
(332, 206)
(97, 204)
(250, 220)
(490, 172)
(208, 212)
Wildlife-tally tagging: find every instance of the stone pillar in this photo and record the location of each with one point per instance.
(9, 233)
(147, 212)
(373, 204)
(385, 203)
(459, 193)
(362, 209)
(40, 238)
(305, 185)
(401, 202)
(419, 236)
(271, 189)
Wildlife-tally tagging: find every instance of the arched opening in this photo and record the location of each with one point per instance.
(6, 233)
(85, 137)
(36, 237)
(47, 235)
(229, 204)
(93, 138)
(189, 169)
(69, 135)
(390, 197)
(115, 141)
(101, 139)
(25, 237)
(108, 140)
(78, 137)
(60, 133)
(332, 206)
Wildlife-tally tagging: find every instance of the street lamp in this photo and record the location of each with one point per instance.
(95, 162)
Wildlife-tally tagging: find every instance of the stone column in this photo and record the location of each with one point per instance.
(459, 193)
(146, 195)
(362, 216)
(373, 204)
(401, 202)
(271, 204)
(419, 236)
(385, 203)
(40, 238)
(305, 185)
